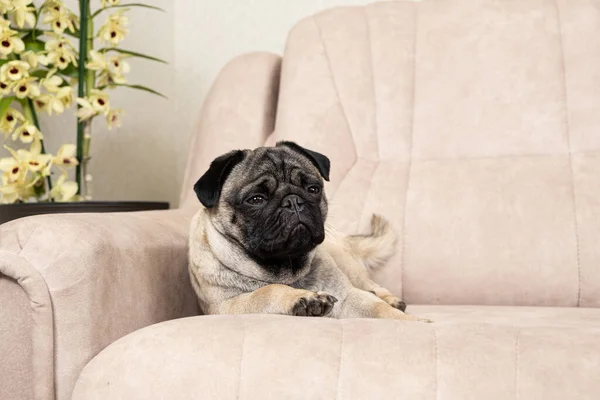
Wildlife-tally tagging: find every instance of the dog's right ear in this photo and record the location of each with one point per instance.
(208, 187)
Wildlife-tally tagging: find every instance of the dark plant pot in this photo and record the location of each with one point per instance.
(9, 212)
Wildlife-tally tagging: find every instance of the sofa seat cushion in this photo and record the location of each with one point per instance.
(469, 352)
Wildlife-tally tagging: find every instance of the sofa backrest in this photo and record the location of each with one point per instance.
(474, 126)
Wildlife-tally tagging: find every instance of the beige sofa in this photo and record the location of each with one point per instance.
(474, 125)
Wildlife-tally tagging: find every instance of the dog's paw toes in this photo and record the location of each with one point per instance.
(313, 304)
(399, 304)
(395, 302)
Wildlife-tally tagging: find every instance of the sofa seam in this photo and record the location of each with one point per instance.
(437, 362)
(26, 242)
(410, 156)
(37, 276)
(375, 97)
(517, 368)
(339, 373)
(334, 84)
(568, 136)
(339, 101)
(375, 119)
(240, 369)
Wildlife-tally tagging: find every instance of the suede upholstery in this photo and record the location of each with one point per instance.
(469, 353)
(72, 284)
(471, 125)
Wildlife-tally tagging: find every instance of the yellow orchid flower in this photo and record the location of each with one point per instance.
(86, 111)
(23, 13)
(4, 23)
(13, 168)
(61, 52)
(113, 118)
(107, 3)
(62, 58)
(98, 61)
(65, 96)
(50, 104)
(64, 190)
(26, 87)
(14, 71)
(56, 5)
(27, 133)
(30, 58)
(38, 162)
(10, 43)
(114, 74)
(5, 6)
(100, 101)
(9, 121)
(59, 19)
(9, 193)
(42, 59)
(17, 183)
(21, 190)
(43, 102)
(119, 64)
(66, 156)
(97, 103)
(5, 88)
(113, 31)
(51, 82)
(58, 42)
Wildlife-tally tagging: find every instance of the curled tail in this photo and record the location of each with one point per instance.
(375, 249)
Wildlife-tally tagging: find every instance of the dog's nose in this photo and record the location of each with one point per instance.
(293, 202)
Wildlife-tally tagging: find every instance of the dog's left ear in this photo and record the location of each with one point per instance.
(319, 160)
(208, 187)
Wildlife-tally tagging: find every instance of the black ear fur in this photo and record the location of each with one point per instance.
(208, 187)
(319, 160)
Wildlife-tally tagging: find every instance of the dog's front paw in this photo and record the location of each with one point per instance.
(392, 301)
(314, 304)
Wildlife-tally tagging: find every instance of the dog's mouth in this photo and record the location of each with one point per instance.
(301, 240)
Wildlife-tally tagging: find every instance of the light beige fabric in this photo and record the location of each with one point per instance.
(469, 353)
(99, 277)
(89, 280)
(239, 112)
(469, 124)
(17, 352)
(26, 330)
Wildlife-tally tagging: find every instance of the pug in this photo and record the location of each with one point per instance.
(259, 243)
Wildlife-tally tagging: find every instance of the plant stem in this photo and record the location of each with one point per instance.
(84, 12)
(90, 84)
(31, 115)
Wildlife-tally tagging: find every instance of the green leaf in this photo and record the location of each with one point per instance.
(138, 87)
(72, 34)
(71, 71)
(4, 104)
(128, 5)
(39, 73)
(34, 45)
(131, 53)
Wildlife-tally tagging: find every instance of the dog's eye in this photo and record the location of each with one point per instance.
(256, 200)
(314, 189)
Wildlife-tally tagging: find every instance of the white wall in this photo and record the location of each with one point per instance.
(145, 158)
(209, 33)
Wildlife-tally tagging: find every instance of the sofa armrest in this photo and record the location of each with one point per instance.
(238, 113)
(86, 280)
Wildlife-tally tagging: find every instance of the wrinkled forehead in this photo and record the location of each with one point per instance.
(280, 163)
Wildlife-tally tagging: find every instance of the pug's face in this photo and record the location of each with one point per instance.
(269, 201)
